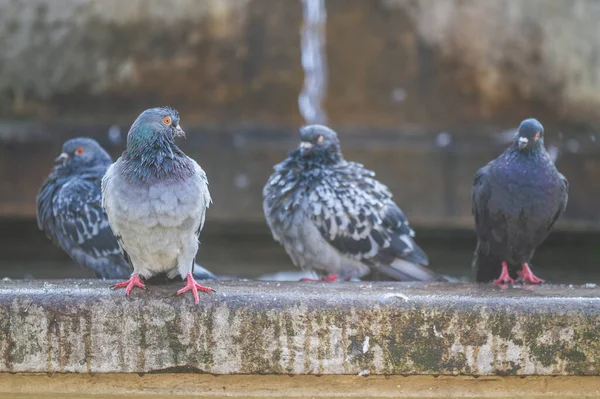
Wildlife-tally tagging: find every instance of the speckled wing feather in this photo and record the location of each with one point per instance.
(73, 218)
(78, 206)
(45, 218)
(356, 215)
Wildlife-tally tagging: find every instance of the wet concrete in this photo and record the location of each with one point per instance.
(300, 328)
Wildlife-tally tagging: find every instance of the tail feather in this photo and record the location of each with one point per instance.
(203, 274)
(417, 256)
(403, 270)
(485, 266)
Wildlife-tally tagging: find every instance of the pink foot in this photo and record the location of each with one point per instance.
(332, 278)
(504, 276)
(134, 281)
(528, 276)
(192, 285)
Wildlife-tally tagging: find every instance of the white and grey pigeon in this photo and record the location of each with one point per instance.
(69, 211)
(332, 216)
(156, 199)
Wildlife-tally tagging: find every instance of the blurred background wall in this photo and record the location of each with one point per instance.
(424, 92)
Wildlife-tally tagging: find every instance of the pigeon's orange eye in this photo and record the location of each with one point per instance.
(537, 136)
(320, 139)
(79, 151)
(167, 120)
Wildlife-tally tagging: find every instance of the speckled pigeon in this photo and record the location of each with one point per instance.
(69, 211)
(332, 216)
(517, 198)
(156, 199)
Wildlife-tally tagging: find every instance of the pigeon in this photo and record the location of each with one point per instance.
(69, 211)
(333, 217)
(517, 198)
(156, 199)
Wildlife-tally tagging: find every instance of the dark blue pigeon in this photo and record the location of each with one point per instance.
(69, 211)
(332, 216)
(517, 198)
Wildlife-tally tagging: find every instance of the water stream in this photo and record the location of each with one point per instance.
(314, 62)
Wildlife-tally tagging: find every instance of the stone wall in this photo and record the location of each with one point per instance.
(421, 91)
(436, 64)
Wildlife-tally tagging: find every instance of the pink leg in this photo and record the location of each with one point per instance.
(134, 281)
(504, 276)
(332, 278)
(528, 276)
(192, 285)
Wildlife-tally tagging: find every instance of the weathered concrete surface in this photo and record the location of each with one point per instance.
(184, 386)
(300, 328)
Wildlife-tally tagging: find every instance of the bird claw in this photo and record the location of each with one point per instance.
(504, 280)
(332, 278)
(134, 281)
(528, 276)
(192, 285)
(505, 277)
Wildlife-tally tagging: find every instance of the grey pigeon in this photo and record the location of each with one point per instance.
(69, 211)
(332, 216)
(517, 198)
(156, 199)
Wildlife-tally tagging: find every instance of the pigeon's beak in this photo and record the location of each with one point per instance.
(62, 158)
(179, 132)
(305, 147)
(523, 141)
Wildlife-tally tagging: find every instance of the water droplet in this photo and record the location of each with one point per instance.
(114, 134)
(593, 138)
(553, 151)
(241, 181)
(573, 145)
(443, 139)
(399, 94)
(366, 345)
(505, 136)
(239, 140)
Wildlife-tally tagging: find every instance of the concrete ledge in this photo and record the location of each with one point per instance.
(182, 386)
(300, 328)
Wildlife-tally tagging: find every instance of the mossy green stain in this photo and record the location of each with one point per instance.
(290, 335)
(574, 355)
(253, 341)
(501, 324)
